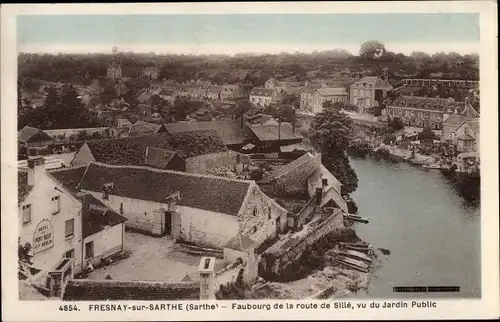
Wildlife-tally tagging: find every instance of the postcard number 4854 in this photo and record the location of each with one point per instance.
(68, 307)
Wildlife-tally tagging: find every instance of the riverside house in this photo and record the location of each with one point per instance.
(422, 111)
(368, 91)
(322, 95)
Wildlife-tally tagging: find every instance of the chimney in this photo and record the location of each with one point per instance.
(319, 196)
(36, 169)
(206, 270)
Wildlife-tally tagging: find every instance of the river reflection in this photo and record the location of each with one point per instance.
(432, 232)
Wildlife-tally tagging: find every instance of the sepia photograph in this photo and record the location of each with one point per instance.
(249, 156)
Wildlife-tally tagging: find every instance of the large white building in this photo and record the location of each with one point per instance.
(59, 223)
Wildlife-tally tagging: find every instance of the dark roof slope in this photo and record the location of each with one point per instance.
(69, 177)
(158, 158)
(229, 131)
(32, 134)
(22, 185)
(240, 242)
(96, 215)
(210, 193)
(132, 150)
(270, 132)
(93, 290)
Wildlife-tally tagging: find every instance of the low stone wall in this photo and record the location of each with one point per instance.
(288, 250)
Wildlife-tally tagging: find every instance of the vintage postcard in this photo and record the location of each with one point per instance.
(250, 161)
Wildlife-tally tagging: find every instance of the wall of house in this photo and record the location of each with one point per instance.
(205, 227)
(106, 242)
(42, 209)
(143, 215)
(254, 216)
(83, 156)
(204, 162)
(417, 117)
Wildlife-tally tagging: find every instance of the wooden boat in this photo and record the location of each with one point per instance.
(360, 248)
(356, 255)
(356, 218)
(353, 263)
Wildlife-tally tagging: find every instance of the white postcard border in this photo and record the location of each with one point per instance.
(486, 307)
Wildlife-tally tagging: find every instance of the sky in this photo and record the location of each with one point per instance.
(258, 33)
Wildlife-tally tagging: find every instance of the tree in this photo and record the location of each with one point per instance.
(395, 124)
(24, 259)
(427, 135)
(372, 49)
(330, 133)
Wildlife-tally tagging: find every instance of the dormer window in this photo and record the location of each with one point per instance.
(106, 188)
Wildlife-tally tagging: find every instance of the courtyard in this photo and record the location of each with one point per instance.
(153, 259)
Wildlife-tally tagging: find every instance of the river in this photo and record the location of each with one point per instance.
(432, 233)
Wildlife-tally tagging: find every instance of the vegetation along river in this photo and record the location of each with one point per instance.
(432, 233)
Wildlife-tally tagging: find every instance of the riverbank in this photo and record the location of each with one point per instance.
(432, 231)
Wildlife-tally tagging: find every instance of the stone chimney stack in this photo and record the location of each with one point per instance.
(319, 196)
(36, 170)
(206, 270)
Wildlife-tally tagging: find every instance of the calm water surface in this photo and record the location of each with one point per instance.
(432, 233)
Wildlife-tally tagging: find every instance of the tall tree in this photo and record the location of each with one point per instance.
(330, 133)
(372, 49)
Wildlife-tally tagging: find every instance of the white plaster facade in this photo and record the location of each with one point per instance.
(43, 209)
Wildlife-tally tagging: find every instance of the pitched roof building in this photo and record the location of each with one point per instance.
(204, 209)
(132, 150)
(231, 133)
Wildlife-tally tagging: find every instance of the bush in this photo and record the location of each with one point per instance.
(395, 124)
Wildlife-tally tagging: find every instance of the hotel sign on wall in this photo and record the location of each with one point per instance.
(43, 238)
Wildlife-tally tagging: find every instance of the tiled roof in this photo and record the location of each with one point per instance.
(454, 120)
(270, 132)
(94, 290)
(326, 91)
(428, 103)
(229, 131)
(158, 158)
(214, 89)
(210, 193)
(257, 91)
(23, 188)
(469, 112)
(292, 165)
(240, 242)
(374, 81)
(32, 134)
(69, 177)
(474, 125)
(96, 215)
(132, 150)
(145, 128)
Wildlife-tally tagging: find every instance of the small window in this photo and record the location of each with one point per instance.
(105, 194)
(255, 212)
(269, 213)
(56, 205)
(89, 250)
(121, 208)
(70, 254)
(70, 228)
(254, 229)
(26, 214)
